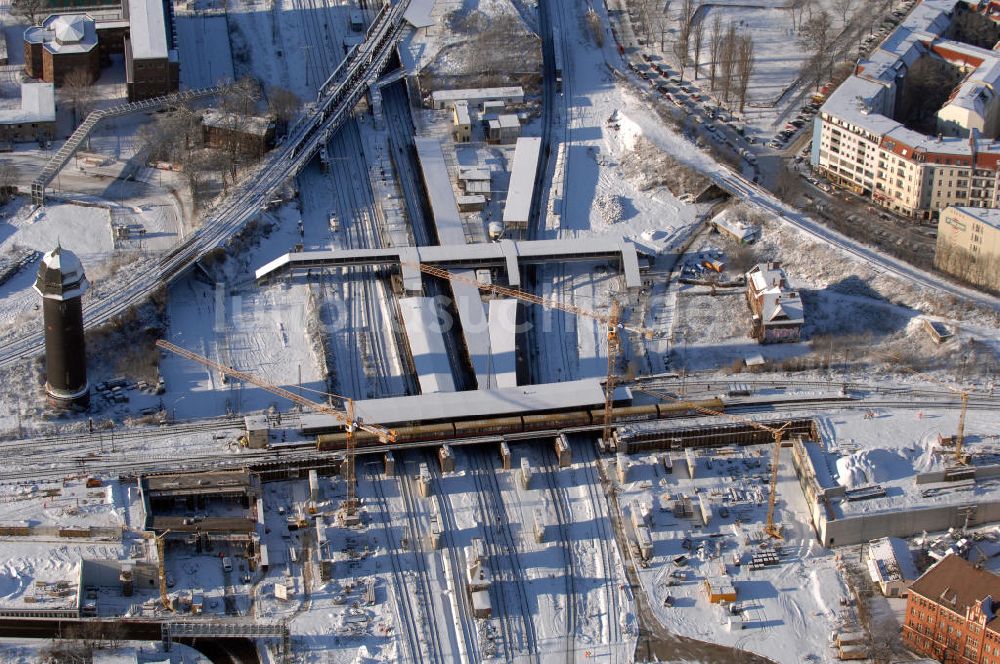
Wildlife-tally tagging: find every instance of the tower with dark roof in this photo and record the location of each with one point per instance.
(61, 283)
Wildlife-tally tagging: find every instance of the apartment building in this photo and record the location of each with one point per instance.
(968, 245)
(859, 146)
(951, 614)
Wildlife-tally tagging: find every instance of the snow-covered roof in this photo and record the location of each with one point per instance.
(506, 253)
(891, 560)
(503, 328)
(147, 29)
(476, 94)
(766, 275)
(987, 216)
(462, 113)
(427, 346)
(474, 174)
(585, 393)
(782, 307)
(522, 181)
(60, 275)
(38, 104)
(64, 33)
(444, 208)
(418, 14)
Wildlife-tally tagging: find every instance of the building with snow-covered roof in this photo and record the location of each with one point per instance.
(461, 123)
(441, 99)
(968, 245)
(151, 65)
(890, 566)
(521, 191)
(63, 43)
(250, 134)
(859, 145)
(444, 207)
(506, 128)
(777, 310)
(33, 118)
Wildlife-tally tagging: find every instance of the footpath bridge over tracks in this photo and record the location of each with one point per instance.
(335, 101)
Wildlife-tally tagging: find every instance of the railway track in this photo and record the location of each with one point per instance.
(606, 541)
(405, 612)
(495, 525)
(564, 518)
(453, 556)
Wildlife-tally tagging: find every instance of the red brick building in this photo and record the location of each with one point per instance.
(951, 614)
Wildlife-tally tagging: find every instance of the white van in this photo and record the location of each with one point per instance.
(227, 564)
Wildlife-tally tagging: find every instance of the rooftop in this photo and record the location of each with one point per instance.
(467, 94)
(586, 393)
(147, 29)
(956, 584)
(247, 124)
(444, 208)
(64, 33)
(426, 337)
(988, 216)
(521, 190)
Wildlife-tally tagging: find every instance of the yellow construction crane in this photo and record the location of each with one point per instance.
(346, 418)
(612, 320)
(961, 458)
(770, 527)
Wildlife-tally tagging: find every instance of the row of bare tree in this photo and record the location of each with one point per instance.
(731, 53)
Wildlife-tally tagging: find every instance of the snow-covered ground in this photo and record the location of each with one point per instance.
(28, 651)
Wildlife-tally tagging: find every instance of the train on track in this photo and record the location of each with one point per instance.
(499, 426)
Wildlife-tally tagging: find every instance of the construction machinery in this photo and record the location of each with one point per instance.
(347, 417)
(770, 527)
(612, 321)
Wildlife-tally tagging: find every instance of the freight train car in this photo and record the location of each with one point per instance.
(499, 426)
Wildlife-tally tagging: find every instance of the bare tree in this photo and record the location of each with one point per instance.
(595, 27)
(241, 96)
(8, 179)
(661, 23)
(284, 105)
(727, 64)
(815, 36)
(79, 91)
(697, 37)
(684, 24)
(744, 67)
(714, 48)
(647, 15)
(843, 7)
(30, 9)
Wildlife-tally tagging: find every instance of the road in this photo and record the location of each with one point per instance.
(245, 201)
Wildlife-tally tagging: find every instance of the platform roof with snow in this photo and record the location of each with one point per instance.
(521, 191)
(549, 397)
(444, 207)
(418, 14)
(427, 346)
(503, 328)
(506, 254)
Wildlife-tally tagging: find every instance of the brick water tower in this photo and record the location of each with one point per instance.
(61, 284)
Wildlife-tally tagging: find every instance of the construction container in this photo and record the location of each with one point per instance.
(424, 481)
(720, 589)
(505, 456)
(390, 464)
(705, 509)
(668, 463)
(525, 474)
(692, 462)
(432, 539)
(563, 452)
(481, 607)
(644, 542)
(313, 485)
(257, 431)
(852, 652)
(539, 526)
(447, 459)
(622, 464)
